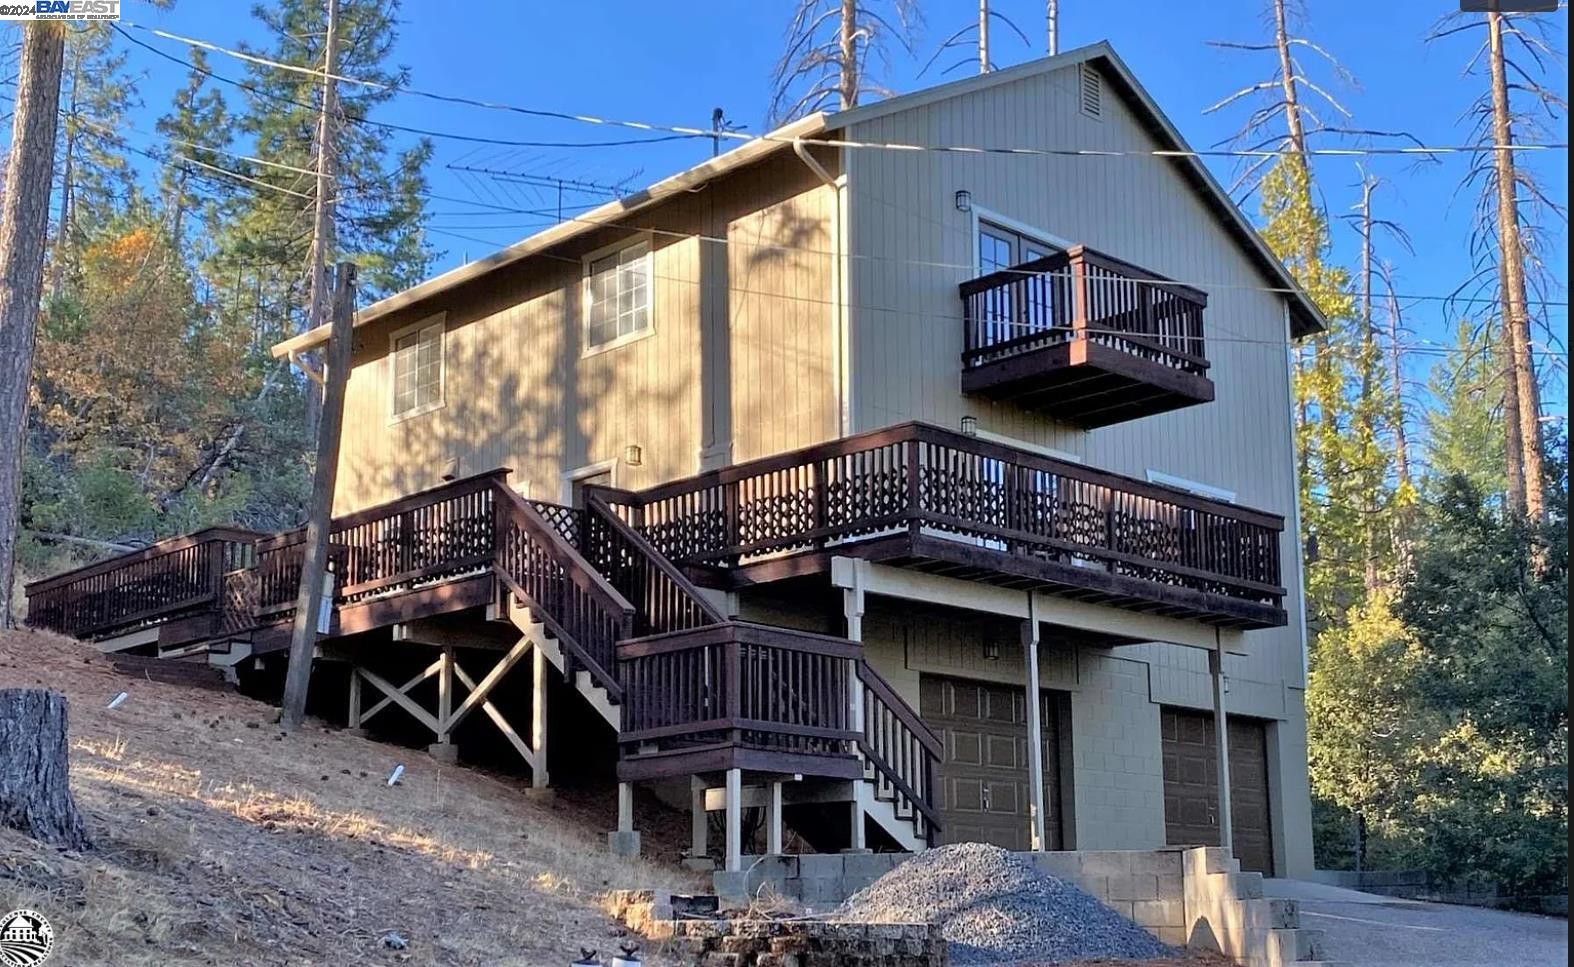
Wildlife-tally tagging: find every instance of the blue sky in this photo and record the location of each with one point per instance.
(672, 61)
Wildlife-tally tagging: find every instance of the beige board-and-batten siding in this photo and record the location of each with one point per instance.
(740, 359)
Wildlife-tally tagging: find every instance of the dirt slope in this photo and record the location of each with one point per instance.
(221, 841)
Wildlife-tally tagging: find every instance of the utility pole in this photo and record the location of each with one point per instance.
(327, 188)
(309, 599)
(24, 236)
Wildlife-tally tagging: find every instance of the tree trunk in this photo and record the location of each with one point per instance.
(848, 42)
(35, 772)
(1524, 420)
(24, 234)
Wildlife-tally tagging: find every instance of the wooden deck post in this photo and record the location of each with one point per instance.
(699, 820)
(1221, 729)
(1035, 731)
(354, 723)
(733, 861)
(773, 818)
(539, 777)
(444, 748)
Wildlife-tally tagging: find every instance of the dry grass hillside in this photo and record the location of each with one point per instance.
(218, 840)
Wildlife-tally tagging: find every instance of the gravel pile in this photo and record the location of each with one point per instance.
(996, 908)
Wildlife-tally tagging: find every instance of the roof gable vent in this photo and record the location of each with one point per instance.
(1090, 91)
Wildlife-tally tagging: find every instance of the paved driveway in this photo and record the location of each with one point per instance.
(1376, 931)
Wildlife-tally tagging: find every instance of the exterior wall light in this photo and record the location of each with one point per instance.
(964, 200)
(970, 425)
(633, 455)
(991, 648)
(450, 469)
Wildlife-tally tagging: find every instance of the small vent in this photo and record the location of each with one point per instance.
(1091, 92)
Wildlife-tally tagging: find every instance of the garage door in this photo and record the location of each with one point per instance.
(1191, 785)
(983, 775)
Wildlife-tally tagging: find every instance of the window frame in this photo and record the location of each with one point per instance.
(438, 322)
(1004, 223)
(587, 348)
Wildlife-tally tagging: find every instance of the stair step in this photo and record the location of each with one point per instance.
(1295, 946)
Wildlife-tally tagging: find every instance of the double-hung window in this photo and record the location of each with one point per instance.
(617, 295)
(415, 360)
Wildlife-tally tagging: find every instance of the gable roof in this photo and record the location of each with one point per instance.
(1305, 318)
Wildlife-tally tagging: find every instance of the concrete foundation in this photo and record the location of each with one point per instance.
(623, 844)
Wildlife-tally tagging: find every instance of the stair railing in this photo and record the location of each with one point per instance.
(665, 599)
(582, 609)
(901, 749)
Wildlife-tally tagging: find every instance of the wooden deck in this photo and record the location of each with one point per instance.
(918, 496)
(1086, 336)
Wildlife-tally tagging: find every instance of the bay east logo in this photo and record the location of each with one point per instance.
(26, 939)
(61, 10)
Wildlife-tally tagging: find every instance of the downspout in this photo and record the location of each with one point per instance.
(1295, 498)
(841, 344)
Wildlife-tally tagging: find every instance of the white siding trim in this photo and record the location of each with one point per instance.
(982, 214)
(1043, 451)
(1190, 486)
(571, 477)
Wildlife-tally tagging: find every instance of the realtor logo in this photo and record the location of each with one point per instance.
(26, 939)
(61, 10)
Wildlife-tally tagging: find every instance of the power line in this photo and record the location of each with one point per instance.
(797, 249)
(690, 132)
(387, 125)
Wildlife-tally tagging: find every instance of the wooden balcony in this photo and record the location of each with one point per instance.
(918, 496)
(1086, 338)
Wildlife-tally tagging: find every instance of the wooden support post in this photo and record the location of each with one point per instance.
(1035, 732)
(857, 842)
(699, 820)
(853, 611)
(1221, 730)
(733, 861)
(445, 696)
(539, 777)
(625, 807)
(773, 818)
(308, 600)
(354, 722)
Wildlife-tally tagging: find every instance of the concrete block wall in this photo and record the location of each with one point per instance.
(1227, 912)
(1117, 755)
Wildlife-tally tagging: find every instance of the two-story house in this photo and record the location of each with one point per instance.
(909, 491)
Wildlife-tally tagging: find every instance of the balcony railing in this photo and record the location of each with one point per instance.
(1096, 339)
(915, 490)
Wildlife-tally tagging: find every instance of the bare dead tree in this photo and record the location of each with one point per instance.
(975, 34)
(1371, 411)
(1052, 26)
(1289, 95)
(1509, 237)
(826, 61)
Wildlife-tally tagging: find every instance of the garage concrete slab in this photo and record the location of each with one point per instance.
(1376, 931)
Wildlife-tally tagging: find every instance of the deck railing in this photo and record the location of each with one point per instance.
(920, 479)
(739, 683)
(1081, 294)
(664, 599)
(162, 581)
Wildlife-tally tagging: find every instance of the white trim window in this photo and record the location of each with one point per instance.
(617, 295)
(416, 369)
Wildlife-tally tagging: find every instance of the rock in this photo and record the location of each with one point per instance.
(395, 941)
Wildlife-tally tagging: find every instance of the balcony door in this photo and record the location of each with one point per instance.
(1016, 310)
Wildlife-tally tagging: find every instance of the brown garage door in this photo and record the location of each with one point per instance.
(1191, 785)
(983, 774)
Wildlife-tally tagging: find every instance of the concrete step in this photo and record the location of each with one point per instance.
(1294, 947)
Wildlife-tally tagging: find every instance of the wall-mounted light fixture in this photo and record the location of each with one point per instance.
(964, 200)
(970, 425)
(633, 455)
(450, 469)
(991, 648)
